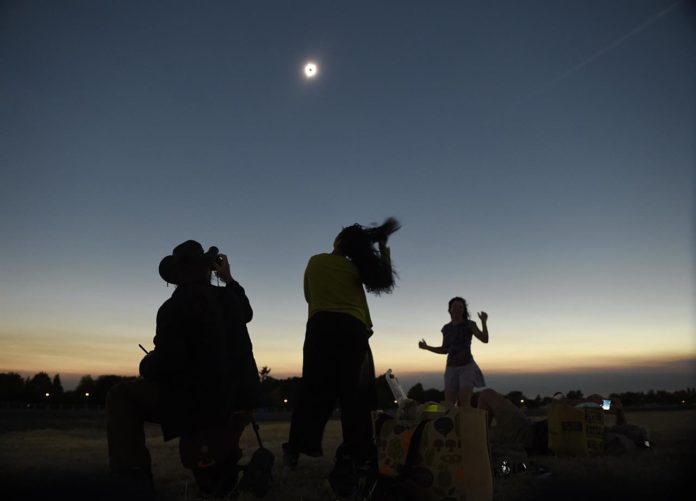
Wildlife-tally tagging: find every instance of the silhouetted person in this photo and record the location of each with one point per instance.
(337, 361)
(200, 371)
(462, 373)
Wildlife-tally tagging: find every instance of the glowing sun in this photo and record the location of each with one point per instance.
(311, 70)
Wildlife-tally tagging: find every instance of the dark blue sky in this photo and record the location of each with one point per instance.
(539, 154)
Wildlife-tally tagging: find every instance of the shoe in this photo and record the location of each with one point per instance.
(290, 458)
(343, 478)
(258, 474)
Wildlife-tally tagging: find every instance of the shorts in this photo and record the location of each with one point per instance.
(463, 376)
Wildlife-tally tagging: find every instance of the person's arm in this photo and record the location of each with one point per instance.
(222, 270)
(168, 359)
(481, 335)
(441, 350)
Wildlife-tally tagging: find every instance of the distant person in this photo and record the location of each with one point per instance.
(462, 373)
(200, 375)
(337, 361)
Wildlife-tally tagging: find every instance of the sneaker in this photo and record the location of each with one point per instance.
(290, 458)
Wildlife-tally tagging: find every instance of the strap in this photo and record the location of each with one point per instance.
(414, 443)
(379, 422)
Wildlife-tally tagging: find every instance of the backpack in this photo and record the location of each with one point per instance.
(212, 455)
(442, 454)
(257, 475)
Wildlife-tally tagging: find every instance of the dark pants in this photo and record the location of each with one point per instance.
(337, 364)
(128, 406)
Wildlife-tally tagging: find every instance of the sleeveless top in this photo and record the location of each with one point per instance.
(457, 340)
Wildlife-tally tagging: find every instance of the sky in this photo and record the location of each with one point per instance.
(540, 156)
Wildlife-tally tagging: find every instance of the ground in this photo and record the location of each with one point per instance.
(62, 455)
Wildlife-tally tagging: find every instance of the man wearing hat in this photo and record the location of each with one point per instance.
(199, 375)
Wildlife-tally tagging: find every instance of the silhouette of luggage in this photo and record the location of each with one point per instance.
(257, 476)
(212, 455)
(575, 431)
(443, 454)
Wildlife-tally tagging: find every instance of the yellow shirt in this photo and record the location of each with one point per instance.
(332, 283)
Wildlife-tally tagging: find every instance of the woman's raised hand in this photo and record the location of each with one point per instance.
(483, 316)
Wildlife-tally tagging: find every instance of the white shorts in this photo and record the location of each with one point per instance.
(463, 376)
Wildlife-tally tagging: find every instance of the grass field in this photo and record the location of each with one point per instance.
(65, 458)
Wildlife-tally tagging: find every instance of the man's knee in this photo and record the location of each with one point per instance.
(128, 393)
(116, 395)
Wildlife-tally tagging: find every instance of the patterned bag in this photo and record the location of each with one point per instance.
(443, 455)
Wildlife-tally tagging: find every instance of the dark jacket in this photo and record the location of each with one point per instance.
(203, 361)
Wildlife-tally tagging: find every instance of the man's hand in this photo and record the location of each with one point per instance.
(422, 344)
(222, 269)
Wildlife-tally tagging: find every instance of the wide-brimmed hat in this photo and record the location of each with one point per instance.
(187, 263)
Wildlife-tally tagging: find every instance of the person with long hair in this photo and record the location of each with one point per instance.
(462, 373)
(337, 361)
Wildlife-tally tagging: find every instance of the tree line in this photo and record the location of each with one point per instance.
(281, 394)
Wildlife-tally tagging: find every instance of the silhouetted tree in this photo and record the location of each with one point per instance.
(56, 386)
(86, 385)
(574, 394)
(38, 388)
(11, 387)
(264, 372)
(288, 389)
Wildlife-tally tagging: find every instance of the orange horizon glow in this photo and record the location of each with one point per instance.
(280, 371)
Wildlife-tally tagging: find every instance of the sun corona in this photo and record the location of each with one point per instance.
(311, 70)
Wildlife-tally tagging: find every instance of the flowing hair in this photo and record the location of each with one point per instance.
(357, 244)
